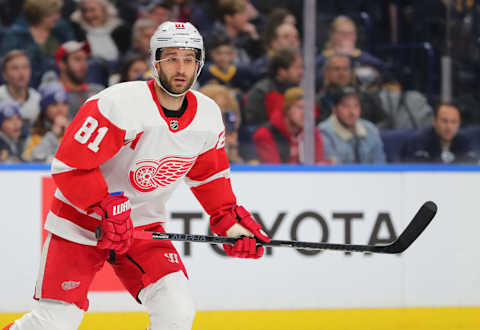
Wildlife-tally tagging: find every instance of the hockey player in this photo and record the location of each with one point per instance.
(137, 138)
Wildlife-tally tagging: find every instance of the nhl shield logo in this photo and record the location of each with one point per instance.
(174, 124)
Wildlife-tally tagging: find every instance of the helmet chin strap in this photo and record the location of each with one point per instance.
(157, 80)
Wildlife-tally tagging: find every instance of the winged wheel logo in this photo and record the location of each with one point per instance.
(148, 175)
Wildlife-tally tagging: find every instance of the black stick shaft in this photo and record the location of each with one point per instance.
(418, 224)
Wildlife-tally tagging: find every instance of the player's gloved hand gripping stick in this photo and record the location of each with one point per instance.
(238, 223)
(417, 225)
(116, 230)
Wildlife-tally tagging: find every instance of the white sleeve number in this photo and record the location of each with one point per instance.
(86, 131)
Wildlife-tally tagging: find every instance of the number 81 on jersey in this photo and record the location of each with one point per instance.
(86, 131)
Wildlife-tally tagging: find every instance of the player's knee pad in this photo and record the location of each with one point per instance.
(169, 303)
(50, 315)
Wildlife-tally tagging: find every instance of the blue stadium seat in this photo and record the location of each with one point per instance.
(393, 142)
(245, 140)
(473, 134)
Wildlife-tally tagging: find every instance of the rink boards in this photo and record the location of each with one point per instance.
(355, 204)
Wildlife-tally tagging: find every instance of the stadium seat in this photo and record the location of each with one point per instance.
(245, 139)
(473, 134)
(393, 142)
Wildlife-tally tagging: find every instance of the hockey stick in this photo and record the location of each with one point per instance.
(419, 222)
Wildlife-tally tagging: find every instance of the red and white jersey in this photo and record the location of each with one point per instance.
(121, 140)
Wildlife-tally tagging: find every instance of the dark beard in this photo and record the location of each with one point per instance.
(73, 77)
(168, 86)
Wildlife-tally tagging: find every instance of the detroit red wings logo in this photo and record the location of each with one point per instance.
(148, 175)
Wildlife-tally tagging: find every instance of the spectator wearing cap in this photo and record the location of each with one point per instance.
(442, 142)
(346, 137)
(11, 141)
(234, 21)
(97, 22)
(285, 70)
(280, 140)
(223, 96)
(71, 59)
(222, 70)
(16, 71)
(48, 128)
(39, 31)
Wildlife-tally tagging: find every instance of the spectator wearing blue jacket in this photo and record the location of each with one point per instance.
(346, 137)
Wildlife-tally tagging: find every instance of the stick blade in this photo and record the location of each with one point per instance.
(420, 221)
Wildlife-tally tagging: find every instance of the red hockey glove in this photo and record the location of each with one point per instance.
(116, 227)
(239, 222)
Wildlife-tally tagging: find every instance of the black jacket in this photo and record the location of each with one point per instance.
(424, 147)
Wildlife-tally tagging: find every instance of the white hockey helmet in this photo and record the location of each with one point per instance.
(176, 34)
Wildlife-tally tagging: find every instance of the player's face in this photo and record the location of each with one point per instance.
(12, 127)
(17, 72)
(177, 69)
(348, 111)
(447, 122)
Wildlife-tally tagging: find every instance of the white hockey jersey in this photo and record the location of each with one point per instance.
(121, 140)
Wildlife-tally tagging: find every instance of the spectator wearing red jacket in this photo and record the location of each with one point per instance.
(280, 141)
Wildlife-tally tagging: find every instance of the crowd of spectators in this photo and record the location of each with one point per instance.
(55, 54)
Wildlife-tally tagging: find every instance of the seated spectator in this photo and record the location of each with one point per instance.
(346, 137)
(277, 35)
(221, 69)
(181, 11)
(71, 59)
(233, 15)
(441, 143)
(36, 34)
(342, 40)
(11, 141)
(285, 70)
(279, 141)
(203, 15)
(97, 22)
(402, 109)
(231, 118)
(338, 73)
(158, 11)
(277, 17)
(16, 71)
(48, 129)
(133, 68)
(143, 30)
